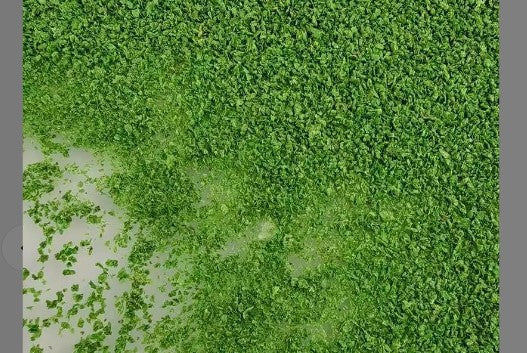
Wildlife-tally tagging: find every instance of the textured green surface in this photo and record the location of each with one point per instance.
(348, 148)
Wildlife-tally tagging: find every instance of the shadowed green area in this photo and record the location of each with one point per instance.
(330, 167)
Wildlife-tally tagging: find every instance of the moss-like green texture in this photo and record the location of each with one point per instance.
(329, 167)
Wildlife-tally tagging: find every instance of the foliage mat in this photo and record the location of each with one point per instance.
(321, 175)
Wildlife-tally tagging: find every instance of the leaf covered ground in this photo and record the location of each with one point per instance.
(322, 175)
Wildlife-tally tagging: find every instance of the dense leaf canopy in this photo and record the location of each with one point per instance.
(348, 148)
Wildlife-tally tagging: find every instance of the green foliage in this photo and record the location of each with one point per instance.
(36, 349)
(366, 133)
(38, 178)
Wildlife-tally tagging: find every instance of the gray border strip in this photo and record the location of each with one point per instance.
(11, 172)
(513, 163)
